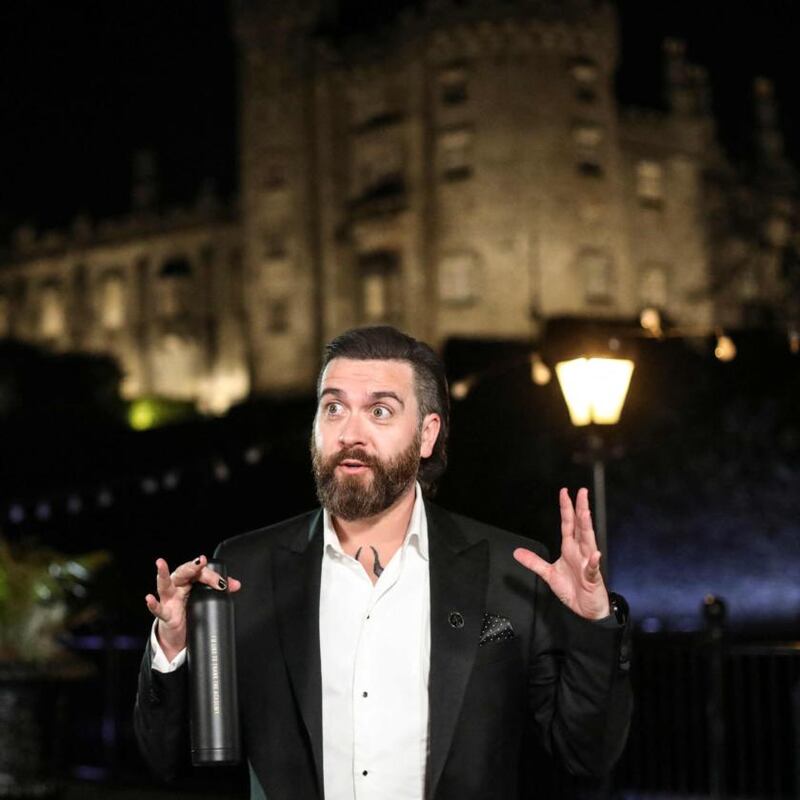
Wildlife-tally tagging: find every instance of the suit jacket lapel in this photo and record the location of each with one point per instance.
(458, 580)
(297, 569)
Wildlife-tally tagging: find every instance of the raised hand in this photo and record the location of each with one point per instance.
(575, 577)
(173, 593)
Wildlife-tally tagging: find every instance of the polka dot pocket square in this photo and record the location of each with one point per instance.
(495, 629)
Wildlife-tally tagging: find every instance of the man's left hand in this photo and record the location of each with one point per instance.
(575, 577)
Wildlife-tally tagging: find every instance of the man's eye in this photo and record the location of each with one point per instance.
(381, 412)
(333, 408)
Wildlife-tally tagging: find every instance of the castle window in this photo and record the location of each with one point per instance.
(112, 302)
(650, 184)
(455, 154)
(52, 316)
(375, 295)
(596, 272)
(587, 139)
(748, 283)
(380, 289)
(585, 74)
(457, 279)
(653, 287)
(379, 166)
(453, 86)
(278, 316)
(175, 288)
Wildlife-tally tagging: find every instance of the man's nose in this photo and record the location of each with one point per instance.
(352, 432)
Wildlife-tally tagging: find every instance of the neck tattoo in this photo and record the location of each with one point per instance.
(377, 568)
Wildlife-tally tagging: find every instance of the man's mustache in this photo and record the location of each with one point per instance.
(353, 454)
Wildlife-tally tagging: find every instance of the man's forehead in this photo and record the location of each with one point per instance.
(368, 375)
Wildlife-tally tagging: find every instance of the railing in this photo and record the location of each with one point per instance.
(712, 718)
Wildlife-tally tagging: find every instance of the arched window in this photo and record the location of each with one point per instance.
(458, 278)
(588, 138)
(112, 301)
(380, 287)
(175, 288)
(585, 74)
(650, 183)
(597, 274)
(52, 313)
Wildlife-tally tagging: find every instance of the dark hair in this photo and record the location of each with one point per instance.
(385, 343)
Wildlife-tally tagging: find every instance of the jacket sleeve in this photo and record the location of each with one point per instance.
(161, 718)
(579, 686)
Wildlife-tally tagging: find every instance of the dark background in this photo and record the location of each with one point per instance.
(703, 491)
(84, 85)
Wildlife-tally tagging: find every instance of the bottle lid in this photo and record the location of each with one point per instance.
(218, 567)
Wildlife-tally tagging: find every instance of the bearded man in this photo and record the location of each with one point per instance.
(388, 649)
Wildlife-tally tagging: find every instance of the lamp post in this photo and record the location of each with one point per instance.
(595, 391)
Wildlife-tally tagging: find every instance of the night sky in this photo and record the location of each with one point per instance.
(86, 84)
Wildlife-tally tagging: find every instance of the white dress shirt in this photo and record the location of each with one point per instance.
(375, 658)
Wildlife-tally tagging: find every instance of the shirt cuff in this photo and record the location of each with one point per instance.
(159, 661)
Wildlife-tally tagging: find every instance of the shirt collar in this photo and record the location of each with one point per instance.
(416, 534)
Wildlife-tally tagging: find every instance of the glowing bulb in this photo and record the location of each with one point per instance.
(595, 388)
(540, 372)
(650, 320)
(460, 389)
(725, 349)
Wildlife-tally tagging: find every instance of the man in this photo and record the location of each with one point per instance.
(388, 649)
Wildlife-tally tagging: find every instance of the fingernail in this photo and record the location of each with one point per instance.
(223, 584)
(197, 561)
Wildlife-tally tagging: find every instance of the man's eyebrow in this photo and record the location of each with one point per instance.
(379, 395)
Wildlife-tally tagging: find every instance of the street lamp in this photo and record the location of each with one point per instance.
(595, 391)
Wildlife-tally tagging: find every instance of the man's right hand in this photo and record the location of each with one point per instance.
(173, 594)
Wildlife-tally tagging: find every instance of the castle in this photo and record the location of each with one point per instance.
(466, 170)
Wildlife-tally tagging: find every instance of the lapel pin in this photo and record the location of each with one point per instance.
(456, 620)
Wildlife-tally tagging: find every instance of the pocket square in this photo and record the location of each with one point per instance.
(495, 629)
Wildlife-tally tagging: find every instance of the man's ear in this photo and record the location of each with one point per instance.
(431, 426)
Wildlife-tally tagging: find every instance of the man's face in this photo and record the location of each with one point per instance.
(367, 440)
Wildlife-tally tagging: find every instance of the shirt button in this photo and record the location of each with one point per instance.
(364, 773)
(365, 694)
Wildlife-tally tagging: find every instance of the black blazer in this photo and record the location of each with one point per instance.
(560, 682)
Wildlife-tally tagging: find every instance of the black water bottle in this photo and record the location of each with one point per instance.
(213, 702)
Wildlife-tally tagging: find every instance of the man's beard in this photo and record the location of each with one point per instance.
(351, 497)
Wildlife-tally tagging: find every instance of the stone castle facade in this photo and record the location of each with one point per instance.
(465, 171)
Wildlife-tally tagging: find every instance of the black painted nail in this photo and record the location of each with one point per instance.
(197, 561)
(223, 584)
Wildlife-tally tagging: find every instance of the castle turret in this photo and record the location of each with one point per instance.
(769, 137)
(144, 188)
(687, 87)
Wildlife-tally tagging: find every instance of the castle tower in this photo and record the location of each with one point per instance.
(277, 182)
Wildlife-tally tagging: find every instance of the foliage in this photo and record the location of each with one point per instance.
(39, 591)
